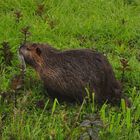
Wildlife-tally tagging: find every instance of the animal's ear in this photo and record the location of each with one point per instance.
(38, 51)
(34, 45)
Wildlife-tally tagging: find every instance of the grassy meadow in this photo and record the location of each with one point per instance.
(108, 26)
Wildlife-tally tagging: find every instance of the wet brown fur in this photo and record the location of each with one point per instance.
(67, 73)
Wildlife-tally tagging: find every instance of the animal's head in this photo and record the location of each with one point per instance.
(33, 54)
(37, 55)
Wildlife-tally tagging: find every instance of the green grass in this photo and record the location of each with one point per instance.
(109, 26)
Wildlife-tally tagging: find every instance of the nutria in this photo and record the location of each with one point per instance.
(66, 74)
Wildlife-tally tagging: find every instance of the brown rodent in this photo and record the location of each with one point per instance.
(66, 74)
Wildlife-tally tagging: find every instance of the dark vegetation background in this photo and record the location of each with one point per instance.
(109, 26)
